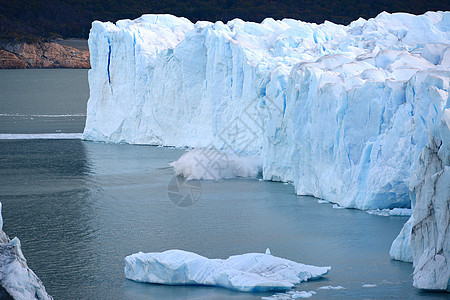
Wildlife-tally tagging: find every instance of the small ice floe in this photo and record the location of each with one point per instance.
(337, 206)
(252, 272)
(290, 295)
(391, 212)
(368, 285)
(330, 287)
(321, 201)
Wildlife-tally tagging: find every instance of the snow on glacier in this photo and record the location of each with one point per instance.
(251, 272)
(16, 277)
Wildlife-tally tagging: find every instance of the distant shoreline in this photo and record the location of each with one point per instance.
(69, 53)
(79, 44)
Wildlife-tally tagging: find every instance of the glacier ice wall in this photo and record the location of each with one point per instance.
(343, 112)
(16, 278)
(425, 238)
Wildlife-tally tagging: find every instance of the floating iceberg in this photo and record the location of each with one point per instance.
(16, 278)
(252, 272)
(330, 287)
(291, 295)
(369, 285)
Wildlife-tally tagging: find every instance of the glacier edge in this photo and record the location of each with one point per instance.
(19, 281)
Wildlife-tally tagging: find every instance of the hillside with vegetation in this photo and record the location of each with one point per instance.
(31, 21)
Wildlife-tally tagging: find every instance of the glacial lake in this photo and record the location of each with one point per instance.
(80, 207)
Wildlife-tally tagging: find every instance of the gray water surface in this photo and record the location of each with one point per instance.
(43, 101)
(80, 207)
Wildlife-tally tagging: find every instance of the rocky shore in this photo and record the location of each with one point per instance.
(42, 55)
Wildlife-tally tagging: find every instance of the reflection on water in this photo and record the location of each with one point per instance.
(46, 204)
(80, 208)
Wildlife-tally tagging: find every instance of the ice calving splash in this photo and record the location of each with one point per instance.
(251, 272)
(213, 164)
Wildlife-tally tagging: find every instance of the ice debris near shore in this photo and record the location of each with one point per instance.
(251, 272)
(390, 212)
(343, 112)
(16, 278)
(330, 287)
(291, 295)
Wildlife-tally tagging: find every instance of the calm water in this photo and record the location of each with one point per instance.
(43, 101)
(79, 208)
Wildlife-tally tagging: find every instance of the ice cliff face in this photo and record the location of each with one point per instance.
(343, 112)
(425, 238)
(16, 278)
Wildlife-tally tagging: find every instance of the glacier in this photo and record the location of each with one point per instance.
(341, 111)
(350, 114)
(251, 272)
(425, 238)
(16, 278)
